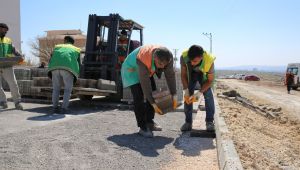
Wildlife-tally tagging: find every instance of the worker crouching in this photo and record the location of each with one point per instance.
(137, 72)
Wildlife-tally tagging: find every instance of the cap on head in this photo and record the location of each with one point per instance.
(69, 39)
(3, 25)
(194, 51)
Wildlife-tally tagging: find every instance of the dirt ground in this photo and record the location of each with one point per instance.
(262, 142)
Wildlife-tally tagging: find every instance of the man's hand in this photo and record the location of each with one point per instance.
(157, 109)
(22, 60)
(186, 96)
(190, 99)
(175, 102)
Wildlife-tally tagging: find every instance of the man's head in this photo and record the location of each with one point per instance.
(162, 57)
(123, 35)
(124, 32)
(69, 40)
(3, 29)
(195, 54)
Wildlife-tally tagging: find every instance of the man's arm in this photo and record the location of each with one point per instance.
(15, 51)
(78, 60)
(210, 79)
(145, 81)
(170, 78)
(184, 72)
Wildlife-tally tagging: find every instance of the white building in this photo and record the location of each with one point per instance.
(10, 14)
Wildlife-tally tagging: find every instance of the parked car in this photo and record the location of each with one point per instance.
(239, 76)
(251, 78)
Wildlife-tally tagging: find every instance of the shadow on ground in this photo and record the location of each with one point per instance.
(191, 146)
(75, 108)
(3, 110)
(46, 117)
(146, 146)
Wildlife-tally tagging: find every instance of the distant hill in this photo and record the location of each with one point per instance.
(280, 69)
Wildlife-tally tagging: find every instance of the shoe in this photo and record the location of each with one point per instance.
(64, 111)
(19, 106)
(4, 105)
(56, 110)
(154, 127)
(210, 126)
(186, 127)
(146, 133)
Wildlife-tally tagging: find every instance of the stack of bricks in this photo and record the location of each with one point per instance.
(25, 87)
(25, 76)
(39, 72)
(20, 74)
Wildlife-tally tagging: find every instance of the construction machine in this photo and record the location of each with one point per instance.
(294, 68)
(104, 55)
(100, 69)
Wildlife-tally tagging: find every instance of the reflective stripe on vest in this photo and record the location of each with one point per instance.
(145, 56)
(6, 47)
(68, 46)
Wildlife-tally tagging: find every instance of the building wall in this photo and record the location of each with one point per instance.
(10, 14)
(54, 37)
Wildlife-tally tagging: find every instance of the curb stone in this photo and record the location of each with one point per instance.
(227, 154)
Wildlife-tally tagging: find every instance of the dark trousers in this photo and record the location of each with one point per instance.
(289, 88)
(208, 97)
(144, 112)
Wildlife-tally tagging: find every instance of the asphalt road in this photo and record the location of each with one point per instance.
(96, 137)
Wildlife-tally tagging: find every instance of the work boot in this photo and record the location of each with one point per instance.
(18, 106)
(186, 127)
(154, 126)
(210, 126)
(146, 132)
(4, 105)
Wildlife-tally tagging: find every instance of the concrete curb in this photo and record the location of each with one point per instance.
(227, 154)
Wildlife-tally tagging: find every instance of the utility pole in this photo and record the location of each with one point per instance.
(209, 35)
(175, 57)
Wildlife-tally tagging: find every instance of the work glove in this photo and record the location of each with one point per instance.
(157, 109)
(193, 98)
(186, 95)
(196, 96)
(175, 101)
(190, 99)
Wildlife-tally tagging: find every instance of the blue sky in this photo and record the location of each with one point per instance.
(256, 32)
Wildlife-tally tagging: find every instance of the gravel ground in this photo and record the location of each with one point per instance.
(95, 137)
(261, 142)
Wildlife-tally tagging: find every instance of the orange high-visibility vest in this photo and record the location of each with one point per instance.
(145, 56)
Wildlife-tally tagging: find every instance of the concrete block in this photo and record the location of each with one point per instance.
(42, 81)
(106, 84)
(164, 100)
